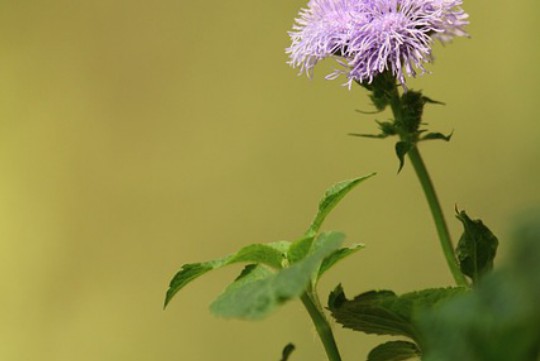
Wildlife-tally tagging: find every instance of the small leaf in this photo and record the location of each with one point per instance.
(331, 198)
(476, 248)
(261, 291)
(385, 313)
(299, 249)
(437, 136)
(287, 351)
(337, 256)
(373, 136)
(271, 254)
(394, 351)
(431, 101)
(402, 148)
(412, 108)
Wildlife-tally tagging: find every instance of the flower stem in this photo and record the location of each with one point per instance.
(322, 326)
(438, 216)
(430, 193)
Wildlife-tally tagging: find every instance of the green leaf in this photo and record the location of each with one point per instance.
(387, 129)
(381, 87)
(287, 351)
(331, 198)
(300, 248)
(476, 248)
(412, 108)
(499, 320)
(431, 101)
(337, 256)
(385, 313)
(272, 254)
(373, 136)
(437, 136)
(394, 351)
(402, 148)
(261, 291)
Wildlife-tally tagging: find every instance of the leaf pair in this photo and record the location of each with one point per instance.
(275, 272)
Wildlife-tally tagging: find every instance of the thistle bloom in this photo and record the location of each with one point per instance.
(369, 37)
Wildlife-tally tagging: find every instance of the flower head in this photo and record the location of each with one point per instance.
(370, 37)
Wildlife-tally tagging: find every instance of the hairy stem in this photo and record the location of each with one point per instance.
(322, 326)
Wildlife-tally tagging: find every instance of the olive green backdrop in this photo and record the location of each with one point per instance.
(136, 136)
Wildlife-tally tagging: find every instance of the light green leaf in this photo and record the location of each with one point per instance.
(260, 292)
(271, 254)
(337, 256)
(394, 351)
(331, 198)
(299, 249)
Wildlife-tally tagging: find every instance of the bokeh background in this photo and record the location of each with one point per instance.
(136, 136)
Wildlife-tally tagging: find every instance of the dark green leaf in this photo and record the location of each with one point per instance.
(412, 108)
(374, 136)
(271, 254)
(499, 320)
(258, 293)
(385, 313)
(331, 198)
(381, 89)
(387, 129)
(437, 136)
(476, 248)
(402, 148)
(337, 256)
(287, 351)
(431, 101)
(394, 351)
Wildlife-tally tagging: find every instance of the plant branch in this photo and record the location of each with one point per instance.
(322, 326)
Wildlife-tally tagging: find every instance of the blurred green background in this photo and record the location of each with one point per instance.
(137, 136)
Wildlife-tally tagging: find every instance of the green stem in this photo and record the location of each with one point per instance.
(430, 193)
(438, 216)
(323, 328)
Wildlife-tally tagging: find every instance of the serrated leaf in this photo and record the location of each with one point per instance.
(258, 294)
(337, 256)
(402, 148)
(287, 351)
(394, 351)
(385, 313)
(331, 198)
(437, 136)
(476, 248)
(499, 320)
(271, 254)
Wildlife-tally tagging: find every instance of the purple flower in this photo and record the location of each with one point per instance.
(369, 37)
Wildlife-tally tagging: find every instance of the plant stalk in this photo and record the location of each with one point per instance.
(438, 216)
(431, 196)
(323, 327)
